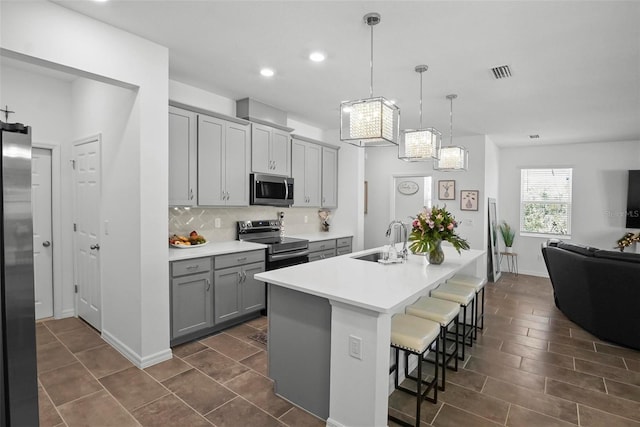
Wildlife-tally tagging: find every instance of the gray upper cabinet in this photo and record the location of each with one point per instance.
(223, 162)
(270, 150)
(306, 159)
(329, 177)
(183, 151)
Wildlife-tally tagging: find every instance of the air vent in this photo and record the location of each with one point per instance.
(501, 72)
(536, 136)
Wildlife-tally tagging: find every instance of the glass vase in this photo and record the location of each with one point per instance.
(436, 255)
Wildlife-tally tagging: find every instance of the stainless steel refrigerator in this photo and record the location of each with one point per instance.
(19, 386)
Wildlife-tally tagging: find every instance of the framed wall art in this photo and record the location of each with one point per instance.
(446, 190)
(469, 200)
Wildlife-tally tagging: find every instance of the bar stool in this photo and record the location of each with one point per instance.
(445, 313)
(414, 335)
(464, 296)
(478, 285)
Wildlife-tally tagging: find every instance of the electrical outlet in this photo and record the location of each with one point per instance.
(217, 223)
(355, 347)
(306, 219)
(470, 222)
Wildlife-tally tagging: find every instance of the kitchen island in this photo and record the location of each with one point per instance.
(330, 325)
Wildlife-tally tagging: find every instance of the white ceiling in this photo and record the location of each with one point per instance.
(576, 65)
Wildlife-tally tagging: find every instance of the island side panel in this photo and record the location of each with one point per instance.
(299, 348)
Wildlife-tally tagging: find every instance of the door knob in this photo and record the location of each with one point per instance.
(46, 243)
(96, 247)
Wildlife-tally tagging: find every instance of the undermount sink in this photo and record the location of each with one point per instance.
(374, 257)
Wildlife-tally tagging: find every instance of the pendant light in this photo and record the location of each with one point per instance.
(370, 122)
(452, 157)
(419, 144)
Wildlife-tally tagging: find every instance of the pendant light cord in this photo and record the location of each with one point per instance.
(371, 65)
(451, 122)
(421, 100)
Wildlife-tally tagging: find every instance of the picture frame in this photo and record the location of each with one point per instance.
(446, 190)
(469, 200)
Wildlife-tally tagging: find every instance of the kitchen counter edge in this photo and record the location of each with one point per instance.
(214, 248)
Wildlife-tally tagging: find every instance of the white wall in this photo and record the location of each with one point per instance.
(44, 103)
(599, 193)
(44, 32)
(382, 163)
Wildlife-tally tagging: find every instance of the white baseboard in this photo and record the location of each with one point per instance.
(334, 423)
(534, 273)
(70, 312)
(135, 358)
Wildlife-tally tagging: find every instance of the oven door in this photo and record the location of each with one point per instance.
(287, 259)
(271, 190)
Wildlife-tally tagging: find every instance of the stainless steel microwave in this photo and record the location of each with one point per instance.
(271, 190)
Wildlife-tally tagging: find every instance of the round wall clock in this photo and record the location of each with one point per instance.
(408, 187)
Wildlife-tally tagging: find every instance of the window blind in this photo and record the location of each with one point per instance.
(545, 201)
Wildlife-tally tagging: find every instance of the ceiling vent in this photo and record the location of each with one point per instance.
(501, 72)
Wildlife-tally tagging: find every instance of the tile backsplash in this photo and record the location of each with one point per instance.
(182, 220)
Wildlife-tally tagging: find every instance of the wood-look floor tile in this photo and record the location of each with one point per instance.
(552, 313)
(633, 365)
(404, 417)
(584, 335)
(506, 373)
(617, 374)
(219, 367)
(496, 319)
(535, 354)
(96, 409)
(623, 390)
(517, 339)
(133, 387)
(259, 391)
(568, 341)
(594, 399)
(81, 339)
(103, 360)
(188, 349)
(591, 356)
(52, 356)
(239, 412)
(167, 369)
(230, 346)
(522, 417)
(199, 391)
(47, 413)
(495, 356)
(169, 411)
(257, 362)
(480, 404)
(64, 325)
(580, 379)
(68, 383)
(299, 418)
(510, 329)
(466, 378)
(510, 312)
(450, 416)
(590, 417)
(404, 403)
(559, 330)
(539, 402)
(624, 352)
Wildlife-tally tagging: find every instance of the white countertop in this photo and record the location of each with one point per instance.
(320, 235)
(370, 285)
(213, 248)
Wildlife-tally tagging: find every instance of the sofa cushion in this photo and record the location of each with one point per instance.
(617, 255)
(579, 249)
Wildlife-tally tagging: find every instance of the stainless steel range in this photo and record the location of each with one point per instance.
(281, 251)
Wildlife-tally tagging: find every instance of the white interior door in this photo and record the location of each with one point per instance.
(42, 233)
(86, 156)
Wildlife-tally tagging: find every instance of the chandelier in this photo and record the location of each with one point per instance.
(370, 122)
(419, 144)
(452, 158)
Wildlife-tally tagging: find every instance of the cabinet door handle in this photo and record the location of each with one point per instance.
(242, 258)
(191, 194)
(191, 267)
(274, 164)
(244, 275)
(208, 285)
(324, 200)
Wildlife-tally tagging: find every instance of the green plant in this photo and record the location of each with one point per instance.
(508, 235)
(431, 226)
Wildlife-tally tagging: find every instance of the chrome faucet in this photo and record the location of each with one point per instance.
(404, 254)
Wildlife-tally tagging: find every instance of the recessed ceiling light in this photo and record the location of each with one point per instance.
(267, 72)
(317, 56)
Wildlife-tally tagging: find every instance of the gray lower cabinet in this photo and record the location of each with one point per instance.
(236, 291)
(343, 245)
(191, 296)
(322, 249)
(209, 294)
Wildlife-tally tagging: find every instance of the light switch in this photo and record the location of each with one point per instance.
(217, 223)
(355, 347)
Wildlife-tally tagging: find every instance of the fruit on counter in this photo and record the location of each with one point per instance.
(193, 239)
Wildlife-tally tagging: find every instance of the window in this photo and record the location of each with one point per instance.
(545, 201)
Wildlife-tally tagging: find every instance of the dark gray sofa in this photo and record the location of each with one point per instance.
(597, 289)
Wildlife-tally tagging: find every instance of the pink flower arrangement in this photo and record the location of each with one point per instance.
(430, 227)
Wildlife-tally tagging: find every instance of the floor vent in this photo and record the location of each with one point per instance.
(501, 72)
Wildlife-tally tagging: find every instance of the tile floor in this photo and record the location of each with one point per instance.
(530, 367)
